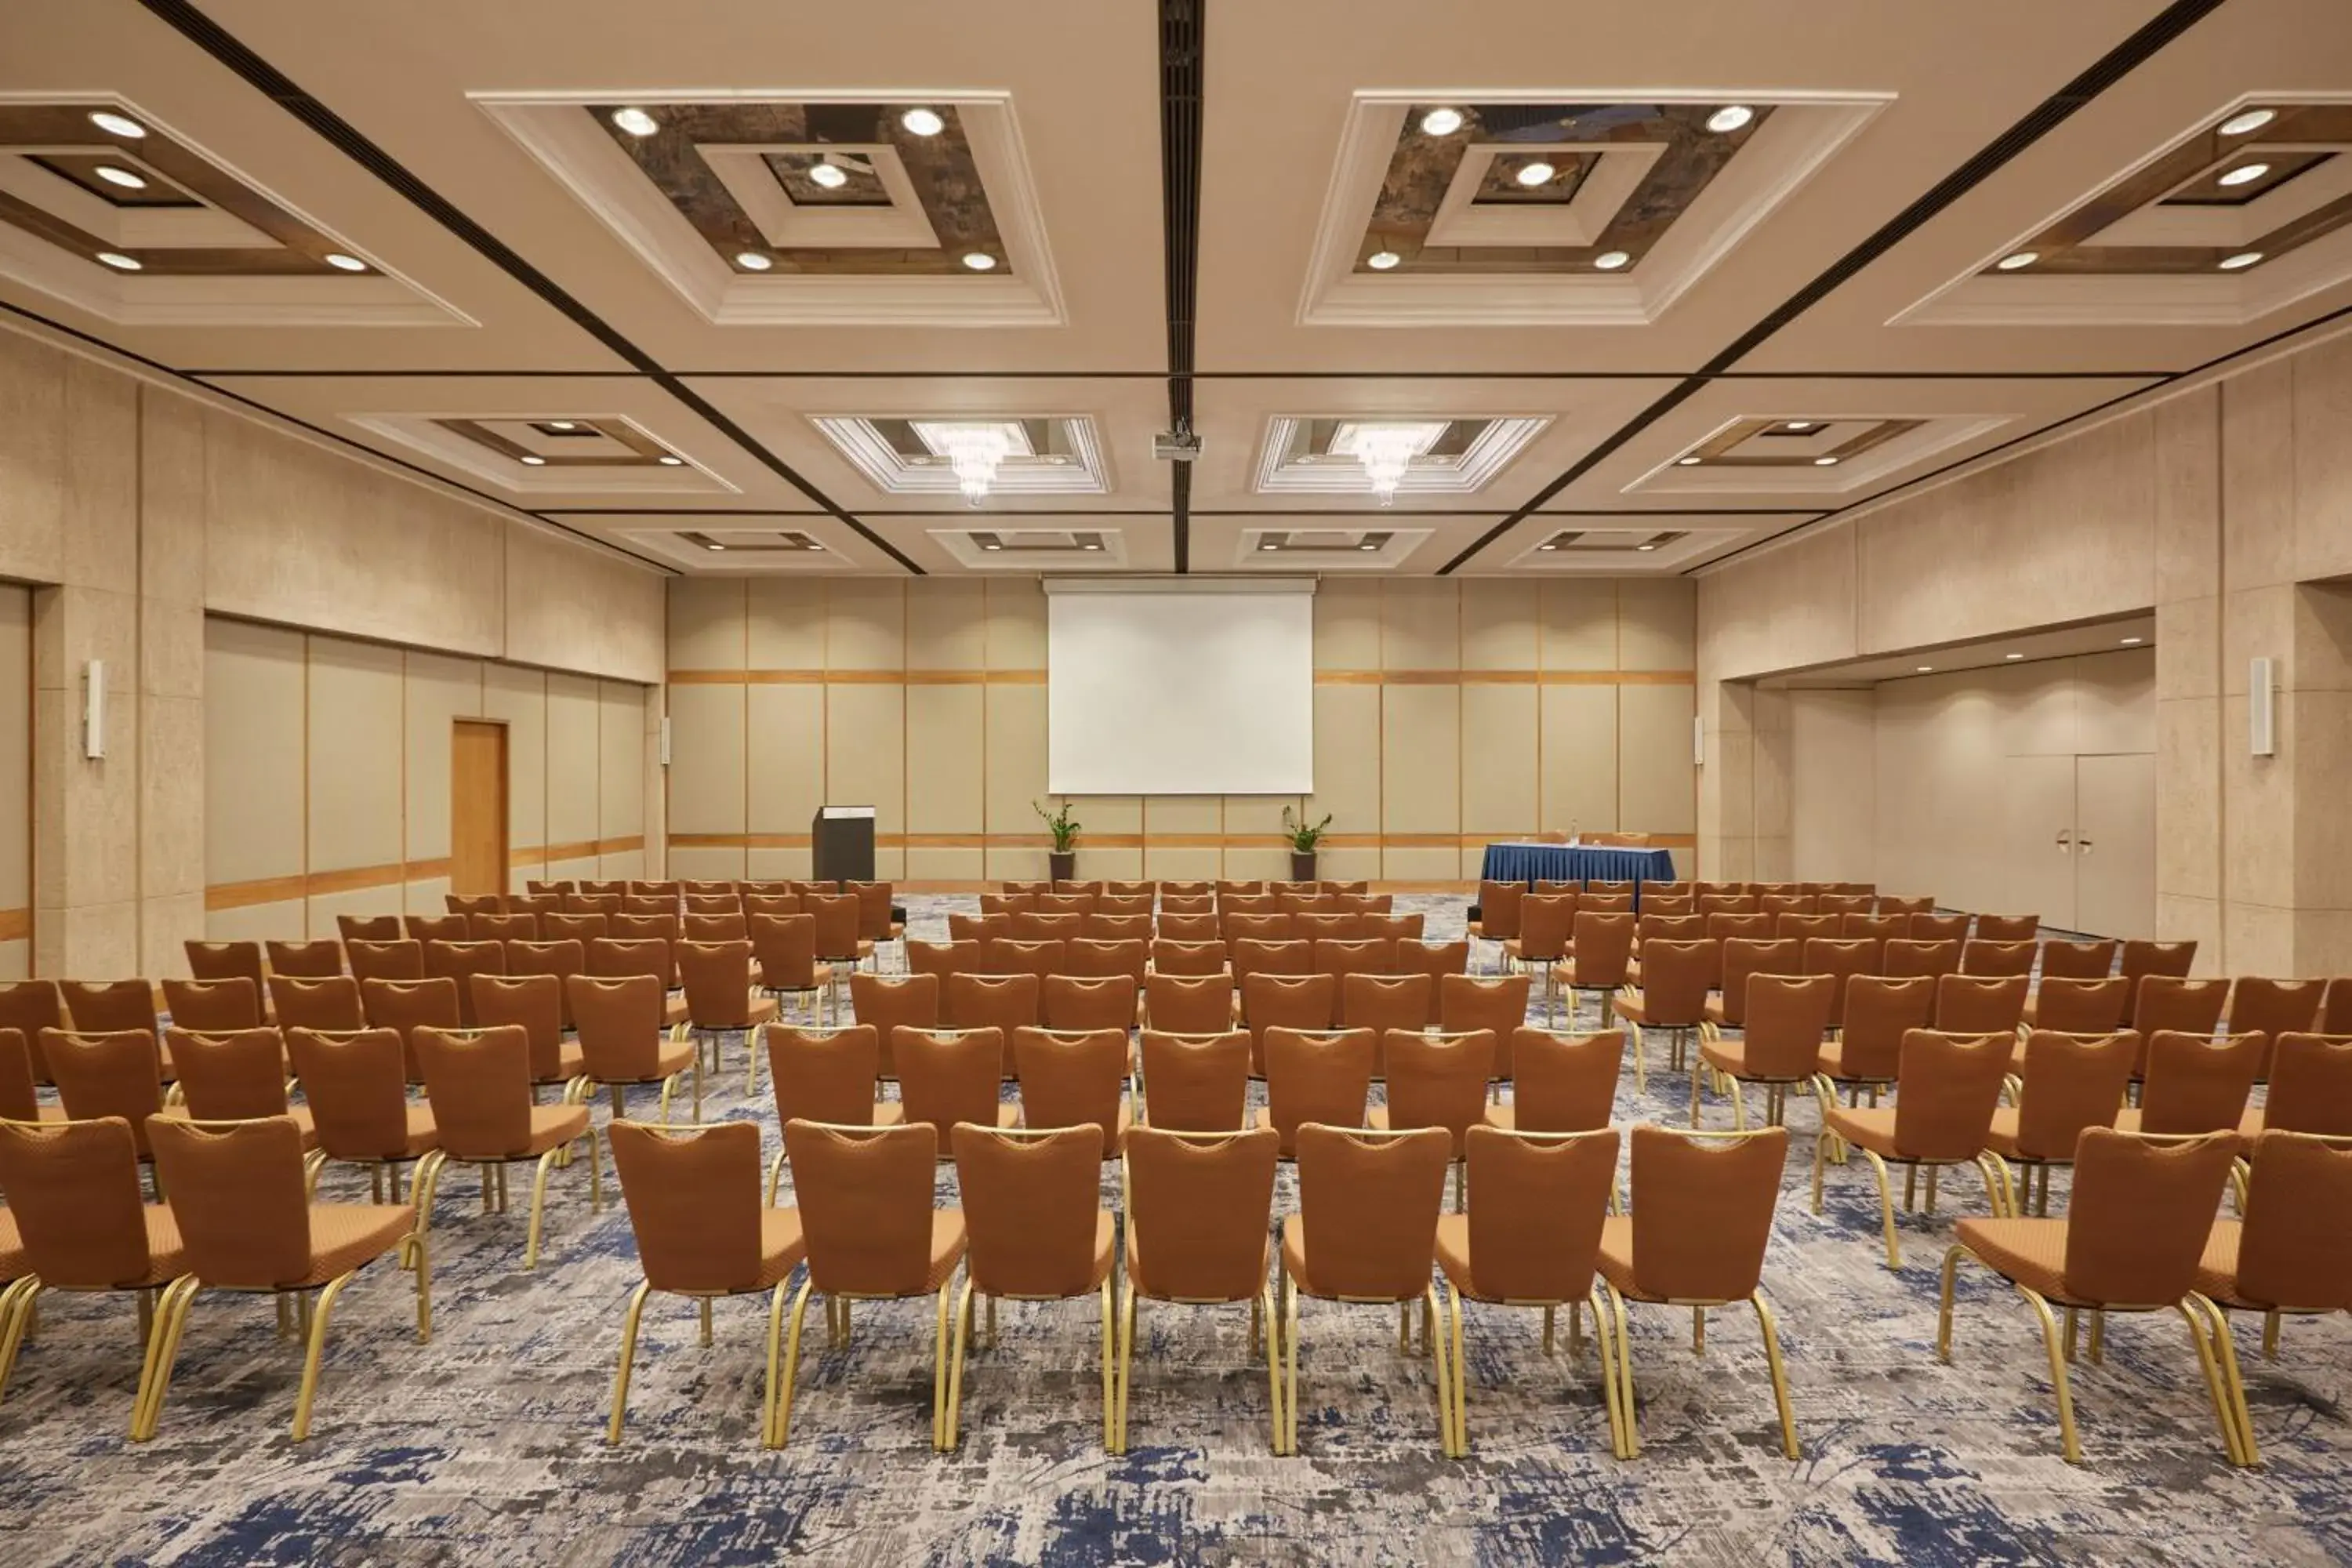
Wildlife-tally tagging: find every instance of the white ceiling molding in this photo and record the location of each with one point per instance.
(903, 225)
(1032, 548)
(1937, 434)
(1699, 541)
(424, 434)
(1344, 554)
(1504, 438)
(1087, 473)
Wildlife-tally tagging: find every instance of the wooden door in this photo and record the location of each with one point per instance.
(2037, 869)
(2115, 845)
(477, 807)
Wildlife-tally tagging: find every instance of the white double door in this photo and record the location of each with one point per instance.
(2081, 841)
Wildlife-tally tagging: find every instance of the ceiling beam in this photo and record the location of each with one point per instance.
(1182, 34)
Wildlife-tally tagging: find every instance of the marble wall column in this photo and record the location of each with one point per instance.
(171, 686)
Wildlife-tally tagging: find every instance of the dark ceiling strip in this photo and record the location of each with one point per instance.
(210, 37)
(1183, 29)
(281, 374)
(159, 368)
(2038, 122)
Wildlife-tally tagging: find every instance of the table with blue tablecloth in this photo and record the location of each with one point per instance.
(1574, 863)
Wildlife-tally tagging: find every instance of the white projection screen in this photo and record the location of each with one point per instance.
(1165, 688)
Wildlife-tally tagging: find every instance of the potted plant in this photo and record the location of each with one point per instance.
(1303, 840)
(1063, 863)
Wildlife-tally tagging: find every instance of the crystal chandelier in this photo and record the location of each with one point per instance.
(974, 452)
(1386, 451)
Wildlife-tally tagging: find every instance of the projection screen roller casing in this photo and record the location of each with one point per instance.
(1168, 689)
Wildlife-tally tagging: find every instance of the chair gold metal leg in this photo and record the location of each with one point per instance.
(1697, 1078)
(1547, 1330)
(312, 1164)
(1698, 1331)
(1821, 1145)
(1290, 1364)
(1607, 1340)
(1110, 1381)
(1944, 1304)
(2098, 1337)
(318, 1318)
(1460, 1376)
(702, 1313)
(538, 1210)
(2234, 1382)
(1932, 1170)
(2074, 1446)
(1125, 1312)
(791, 1365)
(426, 1187)
(149, 1397)
(939, 1370)
(776, 1299)
(751, 1079)
(775, 1176)
(697, 1090)
(628, 1356)
(1265, 1300)
(958, 1334)
(1886, 1206)
(2225, 1405)
(1780, 1378)
(595, 1173)
(16, 1312)
(1575, 1329)
(417, 1256)
(992, 1322)
(1623, 1373)
(169, 1324)
(2270, 1336)
(1641, 1063)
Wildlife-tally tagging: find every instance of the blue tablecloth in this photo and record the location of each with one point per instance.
(1574, 863)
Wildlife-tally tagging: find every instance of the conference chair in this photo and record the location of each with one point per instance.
(2008, 928)
(212, 1006)
(1193, 1082)
(434, 928)
(407, 1006)
(1904, 958)
(1190, 928)
(1496, 918)
(1089, 1002)
(1744, 957)
(1189, 1003)
(1676, 979)
(1805, 928)
(118, 1074)
(1324, 1076)
(1880, 929)
(570, 927)
(722, 999)
(1309, 1001)
(1786, 1019)
(320, 960)
(1435, 1081)
(1597, 960)
(1547, 923)
(2078, 960)
(1382, 1003)
(2141, 960)
(1866, 1056)
(227, 960)
(1981, 1003)
(109, 1006)
(1921, 905)
(951, 1075)
(2187, 1006)
(331, 1003)
(368, 928)
(1075, 1078)
(234, 1074)
(2310, 1089)
(1946, 1089)
(355, 1087)
(397, 960)
(1171, 955)
(2274, 1008)
(556, 961)
(887, 1001)
(1002, 1002)
(832, 1076)
(1251, 957)
(2195, 1083)
(1560, 1083)
(693, 1197)
(20, 1099)
(1436, 960)
(1839, 958)
(623, 1042)
(478, 1084)
(1978, 956)
(2070, 1082)
(1936, 927)
(502, 928)
(2072, 1006)
(460, 962)
(533, 1004)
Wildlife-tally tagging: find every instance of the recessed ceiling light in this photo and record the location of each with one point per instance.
(1382, 260)
(923, 121)
(1548, 544)
(670, 461)
(1645, 547)
(2018, 258)
(118, 261)
(1825, 462)
(1731, 117)
(979, 261)
(1800, 426)
(1926, 670)
(1690, 462)
(1536, 173)
(115, 124)
(2241, 261)
(636, 121)
(1366, 544)
(716, 545)
(344, 262)
(829, 175)
(534, 460)
(2251, 120)
(2012, 656)
(1441, 122)
(992, 544)
(1610, 260)
(118, 176)
(2246, 173)
(753, 261)
(2134, 642)
(1267, 544)
(562, 425)
(1091, 545)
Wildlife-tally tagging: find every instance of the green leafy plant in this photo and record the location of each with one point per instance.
(1061, 824)
(1304, 838)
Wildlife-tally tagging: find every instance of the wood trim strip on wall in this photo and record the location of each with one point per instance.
(1139, 840)
(320, 884)
(15, 925)
(1505, 677)
(857, 678)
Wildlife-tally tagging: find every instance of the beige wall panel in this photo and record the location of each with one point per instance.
(388, 899)
(1179, 864)
(1792, 605)
(437, 690)
(574, 608)
(1500, 753)
(355, 754)
(1347, 626)
(2115, 708)
(519, 697)
(1579, 622)
(787, 758)
(1579, 758)
(1655, 789)
(2258, 473)
(429, 897)
(866, 623)
(16, 751)
(33, 456)
(706, 773)
(573, 750)
(1339, 864)
(261, 923)
(2035, 702)
(629, 866)
(945, 775)
(1421, 759)
(1502, 625)
(786, 624)
(1417, 864)
(2322, 461)
(1263, 813)
(866, 752)
(1833, 786)
(578, 869)
(255, 718)
(708, 627)
(947, 624)
(1017, 757)
(621, 738)
(1103, 812)
(1101, 864)
(1015, 633)
(889, 863)
(16, 960)
(1346, 766)
(1184, 814)
(1421, 625)
(698, 864)
(1009, 864)
(1657, 624)
(771, 864)
(944, 865)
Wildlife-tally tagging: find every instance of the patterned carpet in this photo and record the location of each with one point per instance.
(486, 1445)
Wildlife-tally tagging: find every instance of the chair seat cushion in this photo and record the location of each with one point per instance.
(2001, 1136)
(2030, 1252)
(1831, 1059)
(947, 1244)
(569, 1063)
(674, 1011)
(344, 1236)
(1715, 1014)
(12, 1263)
(553, 1126)
(1870, 1127)
(782, 1247)
(1616, 1258)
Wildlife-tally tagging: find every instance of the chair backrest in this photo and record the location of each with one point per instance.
(836, 918)
(231, 1076)
(824, 1075)
(1097, 957)
(717, 980)
(1653, 925)
(1879, 1011)
(1317, 925)
(397, 960)
(2080, 1006)
(320, 959)
(1947, 1088)
(1979, 1004)
(887, 1001)
(1197, 1207)
(1189, 1003)
(2294, 1248)
(1089, 1002)
(2140, 1212)
(1033, 1215)
(408, 1006)
(1786, 1019)
(328, 1002)
(1880, 929)
(1494, 1002)
(73, 1191)
(368, 928)
(2197, 1083)
(1676, 979)
(1981, 957)
(470, 904)
(118, 1073)
(2141, 959)
(1253, 957)
(1290, 1002)
(977, 928)
(1355, 955)
(1745, 956)
(1003, 1002)
(531, 1002)
(2274, 1008)
(1724, 925)
(2166, 1002)
(1438, 1081)
(726, 903)
(1073, 1078)
(1603, 947)
(2078, 960)
(572, 926)
(1499, 909)
(1805, 928)
(1435, 959)
(356, 1086)
(693, 1195)
(1384, 1002)
(213, 1005)
(1040, 956)
(865, 1200)
(2008, 928)
(1908, 956)
(619, 958)
(477, 1082)
(1936, 927)
(555, 961)
(19, 1099)
(503, 927)
(620, 1020)
(656, 923)
(226, 960)
(1197, 928)
(1547, 922)
(1839, 958)
(106, 1007)
(943, 958)
(1316, 1076)
(460, 962)
(1536, 1200)
(951, 1075)
(434, 928)
(585, 904)
(2071, 1081)
(1171, 956)
(1032, 927)
(2311, 1084)
(1703, 1206)
(715, 928)
(1564, 1082)
(1369, 1201)
(1194, 1082)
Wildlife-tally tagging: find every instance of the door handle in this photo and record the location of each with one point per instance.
(2065, 841)
(2083, 845)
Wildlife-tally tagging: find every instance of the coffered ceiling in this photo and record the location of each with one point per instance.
(737, 288)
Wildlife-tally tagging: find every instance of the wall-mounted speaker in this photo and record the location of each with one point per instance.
(93, 710)
(665, 741)
(1698, 742)
(2262, 709)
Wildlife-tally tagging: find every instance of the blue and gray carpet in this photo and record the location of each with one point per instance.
(486, 1445)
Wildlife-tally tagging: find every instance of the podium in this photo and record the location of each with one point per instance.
(841, 844)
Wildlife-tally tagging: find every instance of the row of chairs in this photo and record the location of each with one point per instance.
(867, 908)
(691, 889)
(1221, 887)
(1223, 926)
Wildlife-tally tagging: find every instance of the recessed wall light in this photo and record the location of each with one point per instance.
(1690, 462)
(2012, 657)
(2251, 120)
(1825, 462)
(1610, 260)
(670, 461)
(118, 261)
(979, 261)
(753, 261)
(344, 262)
(533, 460)
(1536, 173)
(829, 175)
(2245, 175)
(118, 176)
(2132, 642)
(1731, 117)
(1382, 260)
(1441, 122)
(636, 121)
(115, 124)
(2241, 261)
(2018, 258)
(923, 121)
